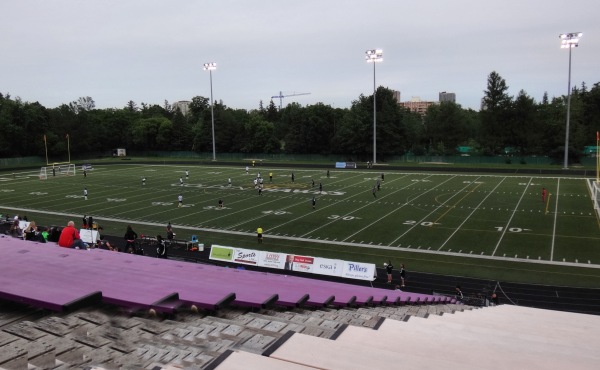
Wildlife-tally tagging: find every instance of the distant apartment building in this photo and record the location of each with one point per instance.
(183, 105)
(446, 96)
(396, 95)
(417, 105)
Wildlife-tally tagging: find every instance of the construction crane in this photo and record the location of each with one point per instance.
(281, 96)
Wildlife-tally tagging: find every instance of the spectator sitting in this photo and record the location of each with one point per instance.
(54, 234)
(104, 244)
(15, 229)
(161, 249)
(69, 238)
(45, 234)
(31, 232)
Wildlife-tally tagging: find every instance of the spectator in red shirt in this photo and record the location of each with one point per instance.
(69, 238)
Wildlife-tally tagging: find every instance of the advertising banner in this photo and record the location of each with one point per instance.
(221, 253)
(245, 256)
(272, 260)
(301, 263)
(292, 262)
(360, 271)
(326, 266)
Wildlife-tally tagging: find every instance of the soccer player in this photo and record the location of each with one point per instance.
(292, 177)
(270, 176)
(382, 177)
(229, 181)
(85, 193)
(320, 187)
(544, 193)
(181, 181)
(374, 191)
(313, 182)
(247, 170)
(143, 181)
(378, 185)
(327, 173)
(220, 203)
(187, 174)
(259, 189)
(314, 202)
(84, 172)
(180, 199)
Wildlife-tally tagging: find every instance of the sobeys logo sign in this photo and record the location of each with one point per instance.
(218, 252)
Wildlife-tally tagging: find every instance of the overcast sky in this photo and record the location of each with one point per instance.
(150, 50)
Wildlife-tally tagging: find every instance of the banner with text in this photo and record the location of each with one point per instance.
(292, 262)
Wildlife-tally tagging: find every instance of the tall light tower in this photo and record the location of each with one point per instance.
(374, 56)
(210, 67)
(569, 41)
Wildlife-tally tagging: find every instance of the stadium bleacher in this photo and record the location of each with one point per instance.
(97, 309)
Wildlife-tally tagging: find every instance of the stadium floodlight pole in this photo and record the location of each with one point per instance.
(69, 147)
(569, 41)
(210, 67)
(374, 56)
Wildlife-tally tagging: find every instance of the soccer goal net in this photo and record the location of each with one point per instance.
(67, 169)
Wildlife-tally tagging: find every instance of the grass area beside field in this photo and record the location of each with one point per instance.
(478, 225)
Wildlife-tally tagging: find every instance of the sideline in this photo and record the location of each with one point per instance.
(252, 234)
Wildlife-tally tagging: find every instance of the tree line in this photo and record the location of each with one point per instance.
(518, 125)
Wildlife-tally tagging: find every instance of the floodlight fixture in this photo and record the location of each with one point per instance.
(210, 66)
(570, 40)
(374, 56)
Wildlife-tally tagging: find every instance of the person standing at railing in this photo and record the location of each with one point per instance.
(459, 294)
(388, 269)
(402, 275)
(130, 237)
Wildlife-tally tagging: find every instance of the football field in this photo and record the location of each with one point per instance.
(482, 217)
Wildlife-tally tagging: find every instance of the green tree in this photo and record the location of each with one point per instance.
(495, 113)
(446, 124)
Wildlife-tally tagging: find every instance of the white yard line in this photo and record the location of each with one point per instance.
(511, 217)
(432, 212)
(555, 219)
(389, 213)
(359, 208)
(471, 214)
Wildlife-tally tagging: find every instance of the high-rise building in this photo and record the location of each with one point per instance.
(396, 96)
(183, 105)
(417, 105)
(446, 96)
